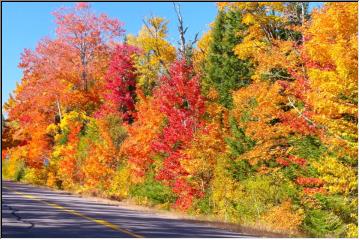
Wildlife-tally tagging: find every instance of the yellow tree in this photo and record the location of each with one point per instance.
(331, 54)
(273, 108)
(272, 41)
(63, 158)
(157, 52)
(201, 157)
(258, 112)
(201, 51)
(271, 37)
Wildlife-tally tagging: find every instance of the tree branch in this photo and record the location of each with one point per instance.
(181, 29)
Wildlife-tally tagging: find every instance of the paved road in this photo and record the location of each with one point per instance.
(29, 211)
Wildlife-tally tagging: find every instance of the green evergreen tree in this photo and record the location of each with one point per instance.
(224, 70)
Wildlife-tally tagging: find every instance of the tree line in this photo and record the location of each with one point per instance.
(254, 123)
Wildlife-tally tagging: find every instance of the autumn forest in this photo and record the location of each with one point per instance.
(253, 123)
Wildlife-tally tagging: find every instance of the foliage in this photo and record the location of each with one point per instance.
(258, 126)
(340, 205)
(152, 191)
(283, 218)
(203, 205)
(137, 147)
(115, 131)
(119, 186)
(180, 100)
(120, 88)
(201, 52)
(259, 135)
(35, 176)
(224, 71)
(320, 223)
(331, 57)
(13, 165)
(98, 168)
(156, 53)
(338, 177)
(200, 157)
(66, 137)
(308, 147)
(85, 35)
(271, 36)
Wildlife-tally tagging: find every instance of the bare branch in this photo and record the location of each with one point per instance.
(180, 28)
(299, 112)
(195, 39)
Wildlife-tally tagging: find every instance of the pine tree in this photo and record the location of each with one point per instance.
(224, 70)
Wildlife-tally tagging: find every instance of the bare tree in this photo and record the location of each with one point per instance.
(184, 48)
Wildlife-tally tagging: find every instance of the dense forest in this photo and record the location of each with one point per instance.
(255, 123)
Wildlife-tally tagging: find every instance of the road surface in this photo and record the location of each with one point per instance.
(29, 211)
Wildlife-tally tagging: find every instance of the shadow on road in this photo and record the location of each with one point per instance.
(52, 222)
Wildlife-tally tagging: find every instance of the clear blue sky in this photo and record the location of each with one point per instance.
(24, 24)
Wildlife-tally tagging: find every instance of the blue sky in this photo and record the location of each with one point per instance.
(24, 24)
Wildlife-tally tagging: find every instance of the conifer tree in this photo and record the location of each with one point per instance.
(224, 71)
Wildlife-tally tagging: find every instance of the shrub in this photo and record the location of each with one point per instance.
(35, 176)
(116, 130)
(13, 167)
(52, 180)
(119, 188)
(340, 205)
(260, 193)
(322, 223)
(338, 177)
(283, 218)
(152, 191)
(344, 207)
(203, 205)
(308, 147)
(352, 231)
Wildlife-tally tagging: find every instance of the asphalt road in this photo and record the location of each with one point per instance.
(29, 211)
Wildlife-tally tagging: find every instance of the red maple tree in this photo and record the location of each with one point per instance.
(120, 87)
(180, 100)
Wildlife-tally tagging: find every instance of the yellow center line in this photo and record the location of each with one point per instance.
(98, 221)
